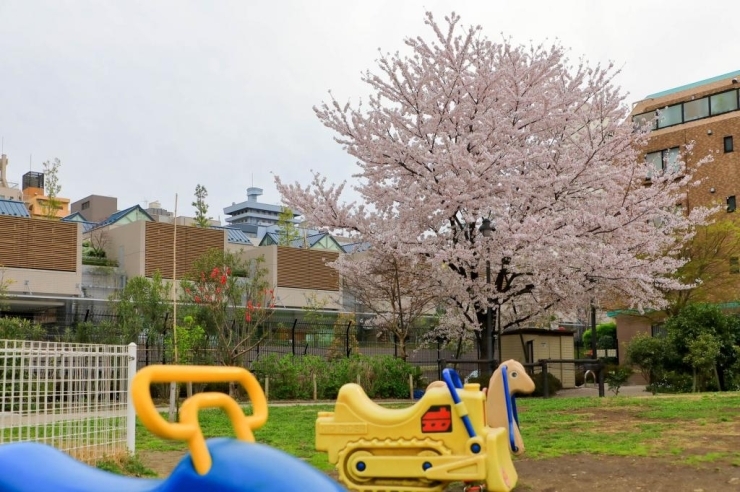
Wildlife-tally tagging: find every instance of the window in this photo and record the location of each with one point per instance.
(663, 160)
(693, 110)
(734, 264)
(85, 205)
(672, 115)
(640, 120)
(723, 102)
(728, 144)
(658, 330)
(731, 205)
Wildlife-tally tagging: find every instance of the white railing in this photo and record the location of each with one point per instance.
(72, 396)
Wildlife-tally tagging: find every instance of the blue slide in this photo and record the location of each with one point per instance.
(238, 466)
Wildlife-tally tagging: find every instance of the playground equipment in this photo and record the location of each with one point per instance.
(442, 438)
(506, 381)
(216, 464)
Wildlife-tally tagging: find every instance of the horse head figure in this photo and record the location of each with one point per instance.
(508, 379)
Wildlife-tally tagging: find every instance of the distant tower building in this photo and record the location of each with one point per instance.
(250, 214)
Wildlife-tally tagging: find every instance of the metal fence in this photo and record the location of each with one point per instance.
(74, 397)
(281, 336)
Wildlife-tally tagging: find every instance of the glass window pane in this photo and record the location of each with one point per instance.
(655, 163)
(640, 120)
(693, 110)
(669, 116)
(670, 159)
(724, 102)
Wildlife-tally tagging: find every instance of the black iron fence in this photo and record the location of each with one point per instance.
(287, 336)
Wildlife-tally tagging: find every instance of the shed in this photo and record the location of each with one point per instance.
(533, 344)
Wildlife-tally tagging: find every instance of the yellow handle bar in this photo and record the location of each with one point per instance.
(188, 429)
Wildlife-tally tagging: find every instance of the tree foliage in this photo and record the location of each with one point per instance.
(287, 232)
(712, 269)
(51, 204)
(650, 355)
(141, 306)
(701, 350)
(606, 335)
(699, 327)
(465, 128)
(399, 292)
(201, 207)
(230, 299)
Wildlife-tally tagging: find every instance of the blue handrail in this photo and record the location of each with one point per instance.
(452, 379)
(510, 409)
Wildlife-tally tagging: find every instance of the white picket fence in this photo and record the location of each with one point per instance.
(72, 396)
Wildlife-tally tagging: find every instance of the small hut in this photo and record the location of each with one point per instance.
(529, 345)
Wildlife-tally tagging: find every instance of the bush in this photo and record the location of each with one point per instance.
(616, 376)
(672, 382)
(553, 385)
(291, 378)
(20, 329)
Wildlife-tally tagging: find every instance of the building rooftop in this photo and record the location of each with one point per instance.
(120, 214)
(13, 208)
(693, 85)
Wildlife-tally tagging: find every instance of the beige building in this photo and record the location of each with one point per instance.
(95, 208)
(41, 264)
(533, 344)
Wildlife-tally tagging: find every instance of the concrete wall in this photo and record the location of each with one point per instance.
(126, 244)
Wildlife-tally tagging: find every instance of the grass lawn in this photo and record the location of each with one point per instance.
(686, 428)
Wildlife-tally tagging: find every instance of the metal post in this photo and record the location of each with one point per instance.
(593, 332)
(130, 410)
(545, 382)
(349, 349)
(292, 335)
(601, 371)
(489, 321)
(500, 333)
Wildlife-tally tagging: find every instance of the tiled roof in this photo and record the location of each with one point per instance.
(75, 217)
(13, 208)
(235, 236)
(120, 214)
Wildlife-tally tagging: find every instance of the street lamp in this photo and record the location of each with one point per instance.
(487, 228)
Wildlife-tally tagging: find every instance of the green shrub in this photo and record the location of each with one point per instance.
(616, 376)
(672, 382)
(20, 329)
(553, 385)
(291, 378)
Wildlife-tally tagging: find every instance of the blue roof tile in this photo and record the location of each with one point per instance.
(13, 208)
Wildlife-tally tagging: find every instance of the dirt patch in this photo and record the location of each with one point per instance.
(584, 473)
(588, 473)
(161, 462)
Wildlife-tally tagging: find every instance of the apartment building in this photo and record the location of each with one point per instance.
(95, 208)
(706, 114)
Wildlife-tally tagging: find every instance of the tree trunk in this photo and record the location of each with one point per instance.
(693, 384)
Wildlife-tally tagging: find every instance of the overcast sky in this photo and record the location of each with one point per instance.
(145, 99)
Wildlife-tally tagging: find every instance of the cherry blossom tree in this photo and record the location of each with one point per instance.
(464, 129)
